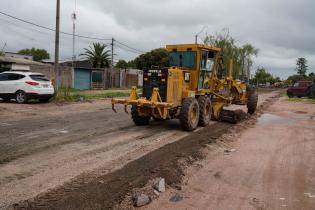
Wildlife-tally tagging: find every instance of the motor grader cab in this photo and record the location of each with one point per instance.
(195, 89)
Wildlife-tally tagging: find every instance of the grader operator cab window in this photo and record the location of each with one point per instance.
(207, 60)
(185, 60)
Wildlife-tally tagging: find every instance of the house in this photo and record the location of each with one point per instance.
(16, 55)
(9, 63)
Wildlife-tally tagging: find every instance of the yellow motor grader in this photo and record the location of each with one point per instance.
(195, 89)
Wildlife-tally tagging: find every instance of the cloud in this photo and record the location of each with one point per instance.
(283, 30)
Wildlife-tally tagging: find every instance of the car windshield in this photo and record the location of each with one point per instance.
(39, 77)
(185, 59)
(296, 84)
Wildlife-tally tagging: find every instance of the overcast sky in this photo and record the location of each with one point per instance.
(282, 30)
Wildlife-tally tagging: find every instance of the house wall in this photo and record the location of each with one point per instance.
(15, 55)
(20, 67)
(48, 71)
(118, 78)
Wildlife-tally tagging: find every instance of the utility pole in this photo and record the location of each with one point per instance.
(196, 36)
(74, 17)
(112, 63)
(57, 46)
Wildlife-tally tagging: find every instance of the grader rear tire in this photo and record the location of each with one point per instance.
(137, 119)
(189, 114)
(204, 110)
(252, 99)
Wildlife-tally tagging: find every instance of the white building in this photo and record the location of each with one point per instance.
(16, 55)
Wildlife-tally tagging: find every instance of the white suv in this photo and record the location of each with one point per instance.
(23, 86)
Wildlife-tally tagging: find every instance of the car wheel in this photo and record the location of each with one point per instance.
(21, 97)
(290, 95)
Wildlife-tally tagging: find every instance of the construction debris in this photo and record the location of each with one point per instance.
(156, 192)
(140, 199)
(159, 184)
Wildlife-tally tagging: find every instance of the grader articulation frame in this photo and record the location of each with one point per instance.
(194, 89)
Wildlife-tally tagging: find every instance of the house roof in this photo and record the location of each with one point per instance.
(9, 60)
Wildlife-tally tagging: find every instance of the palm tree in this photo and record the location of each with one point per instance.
(97, 55)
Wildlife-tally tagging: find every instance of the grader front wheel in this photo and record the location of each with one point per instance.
(137, 119)
(189, 114)
(205, 110)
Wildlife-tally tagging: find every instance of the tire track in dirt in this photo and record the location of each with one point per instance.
(107, 190)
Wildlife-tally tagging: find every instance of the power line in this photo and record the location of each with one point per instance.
(117, 43)
(127, 49)
(50, 29)
(140, 51)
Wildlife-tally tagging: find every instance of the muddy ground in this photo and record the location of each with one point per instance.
(60, 156)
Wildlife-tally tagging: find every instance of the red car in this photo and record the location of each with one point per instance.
(300, 89)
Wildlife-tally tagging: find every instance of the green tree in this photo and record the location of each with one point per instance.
(301, 66)
(262, 76)
(97, 55)
(295, 78)
(311, 76)
(122, 64)
(157, 57)
(241, 55)
(38, 54)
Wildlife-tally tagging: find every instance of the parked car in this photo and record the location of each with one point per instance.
(300, 89)
(23, 86)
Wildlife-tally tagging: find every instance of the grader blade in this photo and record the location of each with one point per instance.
(232, 116)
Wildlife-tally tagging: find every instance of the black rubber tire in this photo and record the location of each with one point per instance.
(137, 119)
(205, 110)
(189, 121)
(21, 97)
(290, 95)
(252, 99)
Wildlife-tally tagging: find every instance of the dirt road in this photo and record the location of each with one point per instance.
(45, 146)
(272, 167)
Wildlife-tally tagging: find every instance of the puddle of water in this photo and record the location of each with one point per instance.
(273, 119)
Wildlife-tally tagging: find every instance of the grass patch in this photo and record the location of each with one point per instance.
(296, 99)
(303, 100)
(73, 95)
